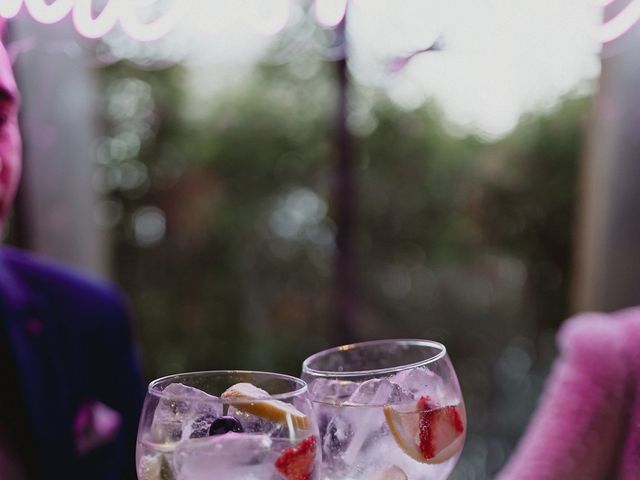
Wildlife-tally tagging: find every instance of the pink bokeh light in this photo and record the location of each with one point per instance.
(268, 18)
(329, 13)
(157, 28)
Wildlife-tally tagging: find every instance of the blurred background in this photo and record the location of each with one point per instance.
(268, 179)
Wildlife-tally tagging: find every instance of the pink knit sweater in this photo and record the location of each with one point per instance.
(587, 424)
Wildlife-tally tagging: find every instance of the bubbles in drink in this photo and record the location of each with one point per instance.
(183, 411)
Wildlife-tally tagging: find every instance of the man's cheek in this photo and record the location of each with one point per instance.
(10, 161)
(12, 149)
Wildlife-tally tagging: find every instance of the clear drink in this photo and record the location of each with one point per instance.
(230, 425)
(386, 410)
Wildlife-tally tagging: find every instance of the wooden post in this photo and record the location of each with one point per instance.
(607, 261)
(344, 202)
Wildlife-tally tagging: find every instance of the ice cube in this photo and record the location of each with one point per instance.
(336, 437)
(379, 391)
(254, 424)
(199, 426)
(330, 390)
(323, 414)
(183, 411)
(359, 422)
(232, 456)
(422, 382)
(419, 381)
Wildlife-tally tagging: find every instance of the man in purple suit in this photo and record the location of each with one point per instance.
(70, 389)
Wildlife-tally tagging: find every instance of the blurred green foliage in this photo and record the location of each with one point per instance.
(458, 237)
(223, 233)
(531, 204)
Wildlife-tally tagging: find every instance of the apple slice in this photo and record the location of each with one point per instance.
(426, 433)
(272, 410)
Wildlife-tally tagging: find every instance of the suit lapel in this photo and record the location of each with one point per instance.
(32, 336)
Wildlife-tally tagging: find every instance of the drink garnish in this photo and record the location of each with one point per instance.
(393, 473)
(298, 462)
(426, 433)
(155, 468)
(222, 425)
(273, 410)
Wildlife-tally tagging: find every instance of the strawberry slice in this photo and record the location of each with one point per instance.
(429, 435)
(439, 428)
(297, 463)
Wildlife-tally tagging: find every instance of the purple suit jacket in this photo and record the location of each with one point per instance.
(70, 339)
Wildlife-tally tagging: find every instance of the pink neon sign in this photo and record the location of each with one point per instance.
(621, 23)
(93, 24)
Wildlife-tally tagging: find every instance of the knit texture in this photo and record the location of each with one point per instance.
(587, 423)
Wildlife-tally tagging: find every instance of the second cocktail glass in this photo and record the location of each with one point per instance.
(386, 410)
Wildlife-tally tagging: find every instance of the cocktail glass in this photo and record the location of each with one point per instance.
(386, 410)
(232, 425)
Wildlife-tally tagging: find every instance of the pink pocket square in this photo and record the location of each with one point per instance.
(95, 425)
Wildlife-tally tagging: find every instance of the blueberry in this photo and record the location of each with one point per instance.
(222, 425)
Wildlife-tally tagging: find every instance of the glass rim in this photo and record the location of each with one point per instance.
(152, 389)
(377, 371)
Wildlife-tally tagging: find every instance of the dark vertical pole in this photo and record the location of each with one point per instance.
(344, 198)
